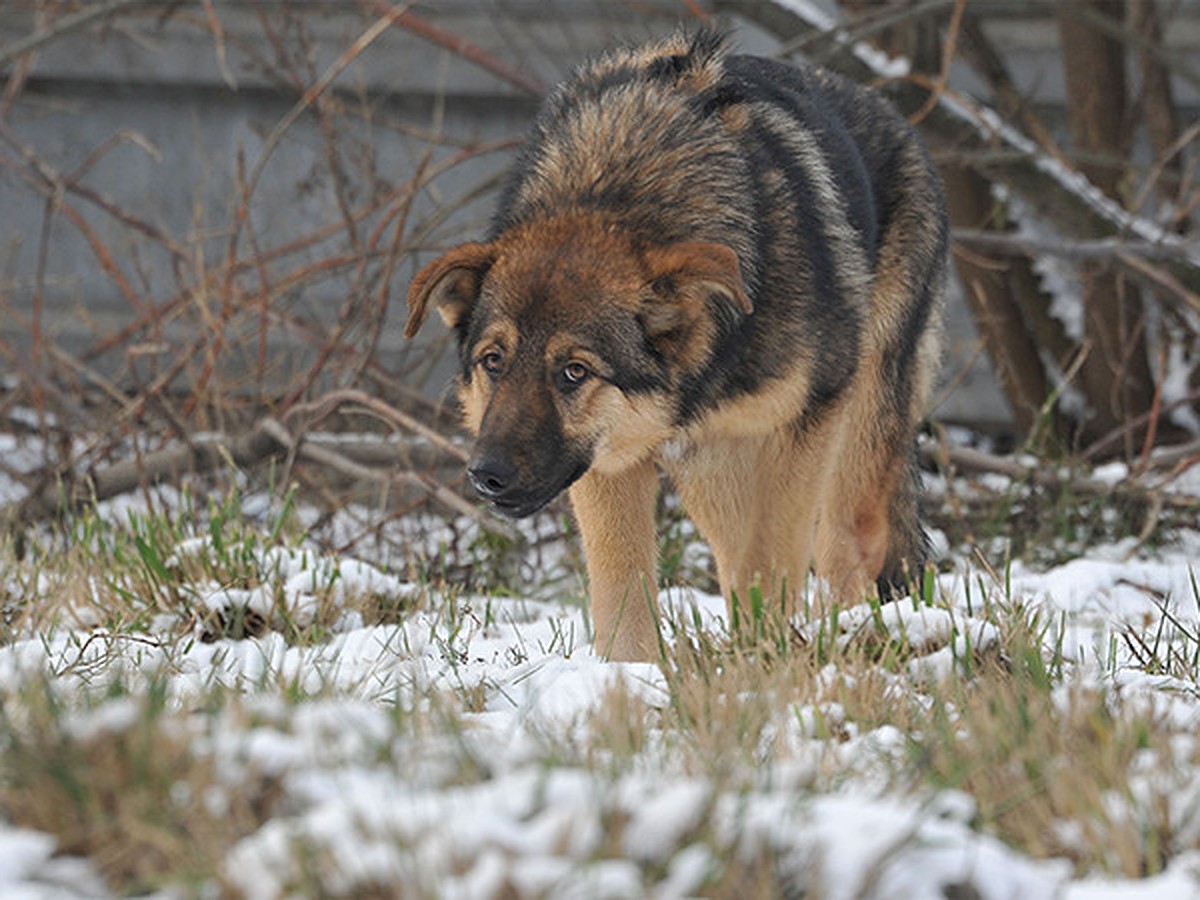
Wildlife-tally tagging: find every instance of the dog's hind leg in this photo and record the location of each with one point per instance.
(869, 534)
(854, 532)
(908, 545)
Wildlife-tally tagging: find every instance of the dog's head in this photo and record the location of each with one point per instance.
(573, 342)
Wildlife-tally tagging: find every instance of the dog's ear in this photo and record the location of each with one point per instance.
(452, 282)
(687, 279)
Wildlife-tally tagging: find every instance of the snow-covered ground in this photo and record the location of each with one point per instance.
(507, 800)
(464, 744)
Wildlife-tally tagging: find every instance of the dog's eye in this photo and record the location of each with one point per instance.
(492, 362)
(575, 374)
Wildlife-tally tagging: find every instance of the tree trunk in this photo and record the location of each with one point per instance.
(992, 286)
(989, 287)
(1115, 376)
(1157, 101)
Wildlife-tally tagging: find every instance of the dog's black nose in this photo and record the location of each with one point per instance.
(492, 474)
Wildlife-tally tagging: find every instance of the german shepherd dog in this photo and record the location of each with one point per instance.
(725, 267)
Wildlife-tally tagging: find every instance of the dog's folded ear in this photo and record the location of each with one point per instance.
(452, 282)
(694, 285)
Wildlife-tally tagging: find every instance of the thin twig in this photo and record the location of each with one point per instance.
(460, 46)
(948, 52)
(81, 18)
(326, 404)
(1102, 248)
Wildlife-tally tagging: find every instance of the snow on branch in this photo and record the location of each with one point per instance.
(1059, 194)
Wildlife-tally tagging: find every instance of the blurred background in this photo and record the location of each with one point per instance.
(210, 212)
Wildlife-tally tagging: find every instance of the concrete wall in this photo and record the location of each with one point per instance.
(157, 117)
(164, 118)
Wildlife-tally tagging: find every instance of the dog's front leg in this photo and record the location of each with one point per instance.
(616, 518)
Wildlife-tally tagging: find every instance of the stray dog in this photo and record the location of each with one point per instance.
(725, 267)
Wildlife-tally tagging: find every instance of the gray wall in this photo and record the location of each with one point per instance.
(177, 113)
(156, 115)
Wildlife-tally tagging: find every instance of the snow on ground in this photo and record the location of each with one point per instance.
(545, 830)
(372, 801)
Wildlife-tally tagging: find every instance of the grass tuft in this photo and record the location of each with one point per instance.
(969, 692)
(127, 784)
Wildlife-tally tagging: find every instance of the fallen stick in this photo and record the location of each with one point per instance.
(377, 461)
(970, 461)
(325, 455)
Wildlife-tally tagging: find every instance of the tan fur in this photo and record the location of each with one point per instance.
(629, 430)
(755, 500)
(862, 472)
(616, 520)
(758, 413)
(450, 282)
(474, 397)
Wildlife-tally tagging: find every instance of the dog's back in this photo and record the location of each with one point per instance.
(816, 183)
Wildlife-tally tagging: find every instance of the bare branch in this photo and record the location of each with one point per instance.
(1008, 243)
(93, 12)
(1056, 193)
(469, 51)
(380, 463)
(959, 460)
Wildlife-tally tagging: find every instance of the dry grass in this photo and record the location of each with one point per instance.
(1055, 766)
(129, 786)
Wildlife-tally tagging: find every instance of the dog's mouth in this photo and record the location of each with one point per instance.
(522, 504)
(519, 509)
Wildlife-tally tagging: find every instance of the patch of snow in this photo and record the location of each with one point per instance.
(879, 62)
(1177, 383)
(370, 803)
(662, 817)
(31, 870)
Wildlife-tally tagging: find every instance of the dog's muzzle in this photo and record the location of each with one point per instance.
(497, 480)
